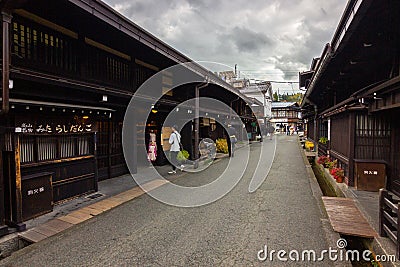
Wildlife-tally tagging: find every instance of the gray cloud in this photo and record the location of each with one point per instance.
(268, 39)
(246, 40)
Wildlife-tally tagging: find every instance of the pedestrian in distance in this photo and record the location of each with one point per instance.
(232, 140)
(174, 140)
(270, 131)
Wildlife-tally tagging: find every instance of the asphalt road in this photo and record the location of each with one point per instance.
(281, 214)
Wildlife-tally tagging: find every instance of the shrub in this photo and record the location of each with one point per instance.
(309, 145)
(331, 164)
(222, 145)
(182, 155)
(323, 140)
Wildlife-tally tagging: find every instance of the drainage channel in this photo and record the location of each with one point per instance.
(353, 243)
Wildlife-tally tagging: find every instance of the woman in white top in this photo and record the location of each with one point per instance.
(174, 140)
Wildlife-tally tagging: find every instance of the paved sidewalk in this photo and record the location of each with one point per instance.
(59, 224)
(107, 189)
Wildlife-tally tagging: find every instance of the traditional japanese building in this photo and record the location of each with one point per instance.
(286, 115)
(353, 94)
(69, 70)
(352, 103)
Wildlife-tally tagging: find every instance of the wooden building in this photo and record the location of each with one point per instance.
(353, 92)
(286, 115)
(69, 70)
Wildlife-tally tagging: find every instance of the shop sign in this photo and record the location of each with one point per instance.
(53, 128)
(35, 191)
(370, 172)
(24, 128)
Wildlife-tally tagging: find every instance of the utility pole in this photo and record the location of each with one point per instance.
(278, 94)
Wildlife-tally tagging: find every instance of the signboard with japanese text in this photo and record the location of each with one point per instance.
(370, 175)
(26, 126)
(37, 195)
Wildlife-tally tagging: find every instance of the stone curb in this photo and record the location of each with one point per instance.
(330, 235)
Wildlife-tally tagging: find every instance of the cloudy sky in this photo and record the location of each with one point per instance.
(267, 39)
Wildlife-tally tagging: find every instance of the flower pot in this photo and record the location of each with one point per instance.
(339, 179)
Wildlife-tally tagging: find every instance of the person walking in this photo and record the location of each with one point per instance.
(270, 131)
(174, 140)
(231, 140)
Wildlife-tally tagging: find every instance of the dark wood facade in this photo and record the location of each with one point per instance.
(353, 90)
(74, 66)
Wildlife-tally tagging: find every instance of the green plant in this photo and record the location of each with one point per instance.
(331, 164)
(222, 145)
(323, 140)
(182, 155)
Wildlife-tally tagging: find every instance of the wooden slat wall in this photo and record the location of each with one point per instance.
(340, 134)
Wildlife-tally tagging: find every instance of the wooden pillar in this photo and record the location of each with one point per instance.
(18, 186)
(351, 148)
(315, 130)
(382, 195)
(109, 131)
(3, 227)
(196, 125)
(6, 21)
(394, 164)
(96, 167)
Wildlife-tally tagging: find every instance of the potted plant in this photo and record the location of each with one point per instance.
(338, 174)
(331, 164)
(309, 145)
(323, 140)
(323, 160)
(222, 145)
(182, 156)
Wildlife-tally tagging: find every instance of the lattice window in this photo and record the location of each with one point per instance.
(46, 148)
(27, 144)
(323, 129)
(373, 137)
(35, 148)
(36, 45)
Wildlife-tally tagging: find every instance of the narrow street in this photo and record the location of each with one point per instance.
(282, 214)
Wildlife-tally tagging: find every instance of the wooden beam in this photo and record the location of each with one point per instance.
(45, 22)
(107, 49)
(147, 65)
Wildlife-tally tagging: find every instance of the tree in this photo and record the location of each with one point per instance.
(297, 97)
(276, 98)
